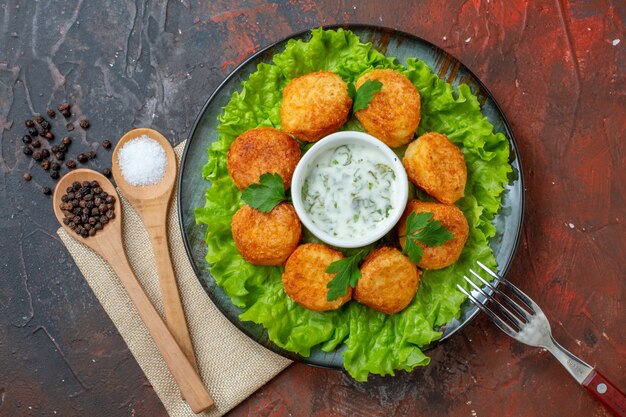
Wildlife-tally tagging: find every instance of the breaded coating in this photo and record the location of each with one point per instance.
(437, 166)
(388, 281)
(437, 257)
(259, 151)
(305, 277)
(266, 238)
(394, 113)
(315, 105)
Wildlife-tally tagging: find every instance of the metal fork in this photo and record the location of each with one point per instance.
(524, 321)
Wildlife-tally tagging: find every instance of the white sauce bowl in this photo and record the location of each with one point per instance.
(399, 199)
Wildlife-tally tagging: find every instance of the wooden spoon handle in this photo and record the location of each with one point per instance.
(174, 312)
(186, 377)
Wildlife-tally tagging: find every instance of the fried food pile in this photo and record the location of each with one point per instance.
(314, 106)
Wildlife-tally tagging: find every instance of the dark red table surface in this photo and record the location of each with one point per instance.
(557, 69)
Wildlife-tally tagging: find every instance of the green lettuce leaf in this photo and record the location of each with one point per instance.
(374, 342)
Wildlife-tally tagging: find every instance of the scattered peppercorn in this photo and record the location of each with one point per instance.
(40, 126)
(106, 172)
(27, 176)
(46, 190)
(79, 211)
(106, 144)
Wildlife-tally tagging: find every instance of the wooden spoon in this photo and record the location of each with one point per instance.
(108, 244)
(152, 204)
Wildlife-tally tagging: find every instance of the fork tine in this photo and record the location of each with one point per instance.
(500, 306)
(523, 297)
(489, 271)
(502, 325)
(518, 293)
(510, 301)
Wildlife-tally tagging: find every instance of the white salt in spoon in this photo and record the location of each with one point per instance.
(152, 204)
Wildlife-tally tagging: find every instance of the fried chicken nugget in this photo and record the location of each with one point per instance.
(315, 105)
(437, 257)
(259, 151)
(266, 238)
(305, 277)
(388, 281)
(394, 113)
(437, 166)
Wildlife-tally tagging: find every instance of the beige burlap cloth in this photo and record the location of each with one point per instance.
(232, 365)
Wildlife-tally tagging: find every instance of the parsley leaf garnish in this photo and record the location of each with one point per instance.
(267, 194)
(351, 91)
(423, 229)
(364, 94)
(348, 273)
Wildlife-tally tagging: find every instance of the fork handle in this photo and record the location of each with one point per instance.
(606, 392)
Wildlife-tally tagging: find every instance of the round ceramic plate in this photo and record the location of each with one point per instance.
(191, 185)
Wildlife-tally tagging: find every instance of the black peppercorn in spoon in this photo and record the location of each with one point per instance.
(108, 244)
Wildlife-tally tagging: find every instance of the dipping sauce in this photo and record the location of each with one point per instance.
(349, 190)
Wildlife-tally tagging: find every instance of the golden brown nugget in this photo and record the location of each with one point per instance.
(388, 281)
(394, 113)
(305, 277)
(437, 166)
(266, 238)
(437, 257)
(315, 105)
(260, 151)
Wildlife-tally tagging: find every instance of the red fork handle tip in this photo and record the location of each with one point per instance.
(607, 393)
